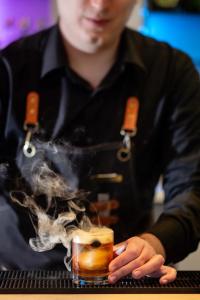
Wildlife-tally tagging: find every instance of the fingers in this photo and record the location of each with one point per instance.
(126, 269)
(123, 271)
(124, 258)
(169, 275)
(138, 267)
(137, 257)
(149, 267)
(133, 249)
(138, 260)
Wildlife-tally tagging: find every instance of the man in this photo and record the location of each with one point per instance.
(84, 71)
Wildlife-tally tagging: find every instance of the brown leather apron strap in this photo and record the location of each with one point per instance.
(130, 118)
(31, 122)
(129, 128)
(32, 109)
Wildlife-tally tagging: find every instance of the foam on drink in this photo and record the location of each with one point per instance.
(102, 234)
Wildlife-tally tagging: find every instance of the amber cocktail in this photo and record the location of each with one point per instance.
(92, 251)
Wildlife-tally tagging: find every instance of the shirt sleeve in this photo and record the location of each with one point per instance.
(178, 227)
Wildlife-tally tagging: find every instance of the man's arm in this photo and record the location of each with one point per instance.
(177, 231)
(178, 228)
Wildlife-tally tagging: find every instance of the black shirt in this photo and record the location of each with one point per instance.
(167, 141)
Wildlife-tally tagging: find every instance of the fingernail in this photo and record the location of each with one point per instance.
(112, 279)
(164, 281)
(137, 273)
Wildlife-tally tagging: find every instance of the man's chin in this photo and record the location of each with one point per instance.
(92, 44)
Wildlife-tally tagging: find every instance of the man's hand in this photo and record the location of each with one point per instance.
(142, 256)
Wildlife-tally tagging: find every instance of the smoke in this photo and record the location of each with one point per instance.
(53, 227)
(3, 173)
(54, 204)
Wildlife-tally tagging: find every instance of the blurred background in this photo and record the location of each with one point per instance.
(174, 21)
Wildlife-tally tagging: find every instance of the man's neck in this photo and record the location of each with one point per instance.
(91, 67)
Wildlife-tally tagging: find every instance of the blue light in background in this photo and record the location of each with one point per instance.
(178, 28)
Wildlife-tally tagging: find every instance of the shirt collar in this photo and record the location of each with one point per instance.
(131, 49)
(54, 56)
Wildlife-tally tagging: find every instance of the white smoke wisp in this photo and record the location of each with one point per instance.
(3, 173)
(60, 216)
(46, 182)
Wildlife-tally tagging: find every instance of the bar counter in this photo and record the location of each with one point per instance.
(57, 285)
(102, 297)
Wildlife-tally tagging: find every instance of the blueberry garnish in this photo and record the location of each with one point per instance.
(95, 244)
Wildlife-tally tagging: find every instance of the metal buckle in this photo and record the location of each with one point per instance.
(29, 149)
(124, 153)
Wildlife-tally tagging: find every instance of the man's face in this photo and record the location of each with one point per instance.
(90, 25)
